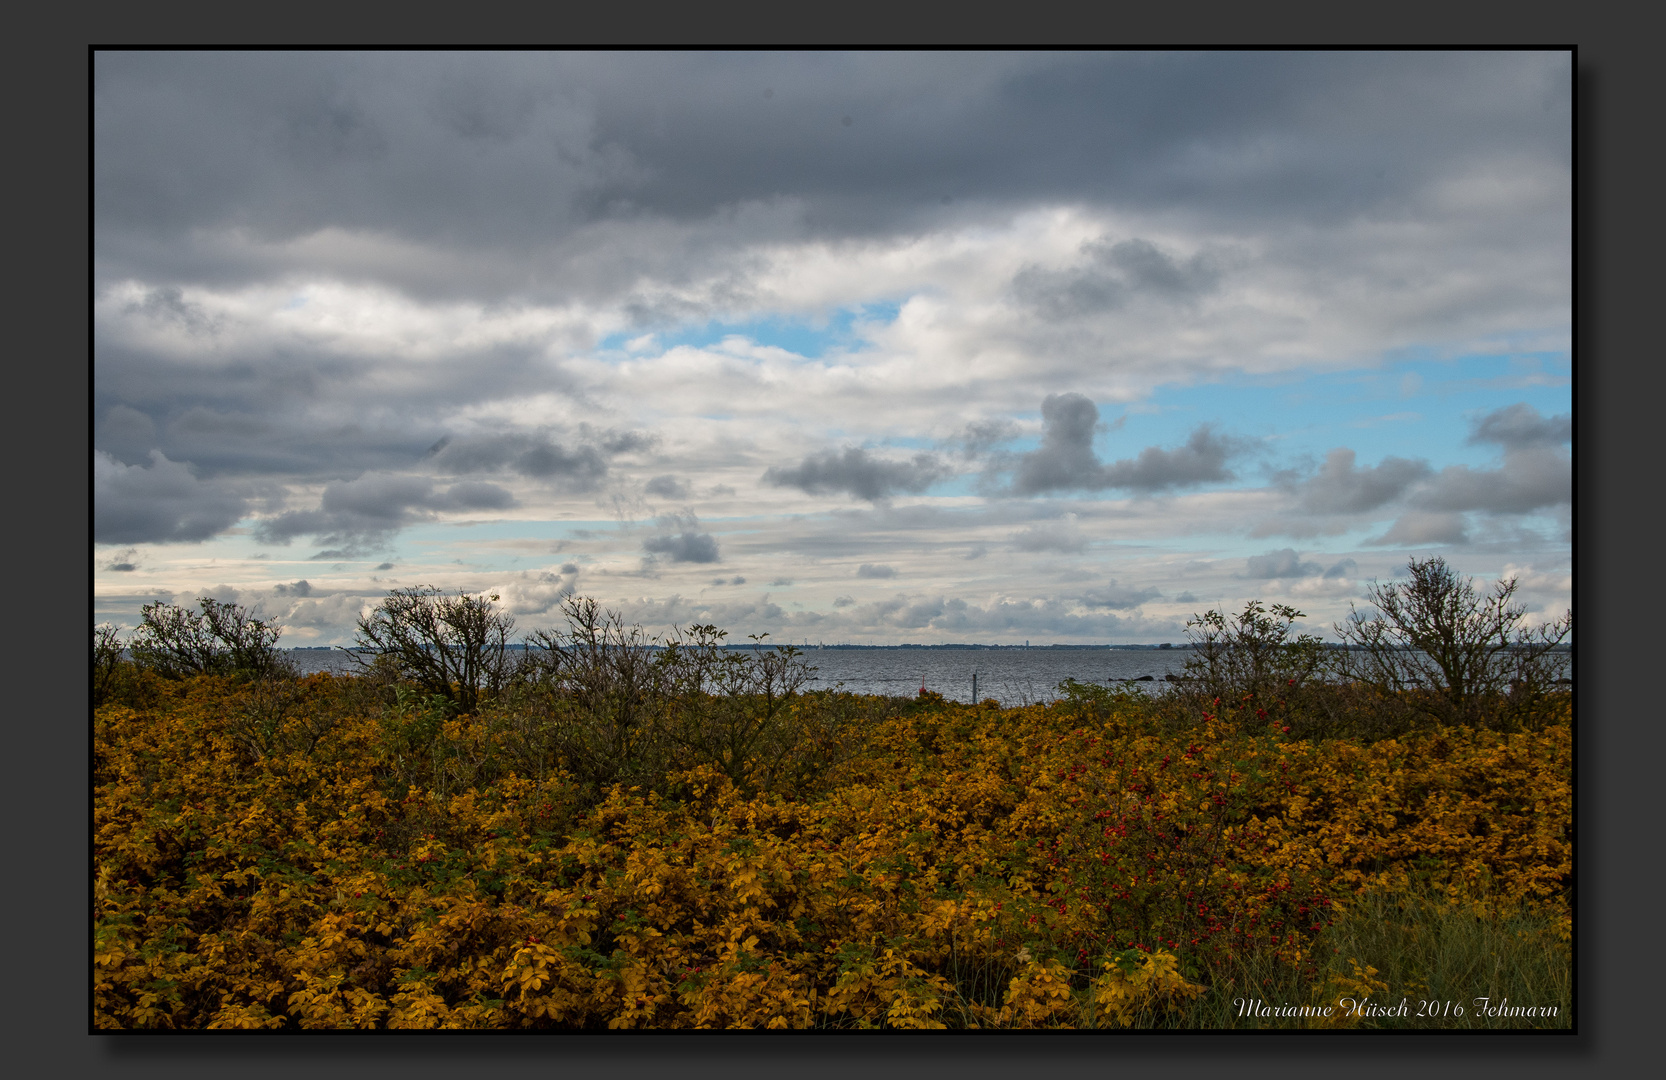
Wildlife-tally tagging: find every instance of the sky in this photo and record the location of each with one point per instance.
(834, 347)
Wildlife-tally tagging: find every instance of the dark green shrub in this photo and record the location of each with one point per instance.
(1251, 653)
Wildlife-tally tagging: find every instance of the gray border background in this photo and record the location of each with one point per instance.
(46, 987)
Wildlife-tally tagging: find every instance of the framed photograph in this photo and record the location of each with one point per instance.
(852, 542)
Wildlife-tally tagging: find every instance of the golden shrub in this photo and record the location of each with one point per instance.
(974, 867)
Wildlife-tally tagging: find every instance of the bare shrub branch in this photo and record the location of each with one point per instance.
(1461, 656)
(453, 646)
(218, 639)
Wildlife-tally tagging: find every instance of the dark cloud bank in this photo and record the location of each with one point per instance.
(513, 153)
(509, 178)
(359, 515)
(858, 473)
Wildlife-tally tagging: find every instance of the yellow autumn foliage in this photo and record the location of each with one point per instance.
(971, 867)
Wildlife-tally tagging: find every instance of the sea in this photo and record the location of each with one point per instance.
(1012, 675)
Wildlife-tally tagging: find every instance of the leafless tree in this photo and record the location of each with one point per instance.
(218, 639)
(601, 688)
(250, 642)
(622, 707)
(454, 646)
(1459, 655)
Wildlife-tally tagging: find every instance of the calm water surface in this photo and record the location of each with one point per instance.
(1011, 676)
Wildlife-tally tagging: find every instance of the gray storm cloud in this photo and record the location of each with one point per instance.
(981, 436)
(594, 180)
(514, 152)
(680, 539)
(1201, 460)
(162, 502)
(274, 403)
(1419, 527)
(1341, 488)
(1529, 480)
(1520, 427)
(360, 515)
(473, 495)
(668, 487)
(1115, 274)
(1118, 597)
(1535, 475)
(127, 435)
(857, 473)
(1065, 461)
(579, 465)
